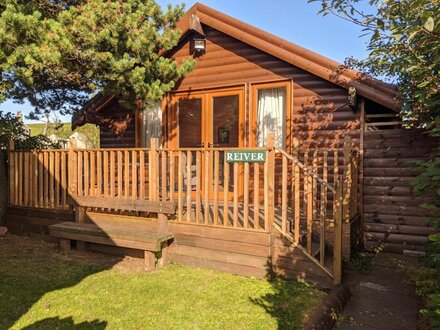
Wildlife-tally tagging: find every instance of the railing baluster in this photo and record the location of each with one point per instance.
(198, 185)
(180, 187)
(141, 174)
(105, 169)
(64, 172)
(216, 183)
(284, 196)
(41, 179)
(235, 220)
(246, 196)
(163, 155)
(80, 173)
(256, 196)
(120, 167)
(266, 192)
(57, 179)
(188, 185)
(99, 173)
(172, 176)
(206, 187)
(134, 176)
(225, 191)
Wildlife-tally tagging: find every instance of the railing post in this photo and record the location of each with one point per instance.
(337, 235)
(347, 179)
(72, 170)
(152, 165)
(11, 163)
(297, 201)
(271, 178)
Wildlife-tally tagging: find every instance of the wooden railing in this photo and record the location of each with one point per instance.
(303, 194)
(309, 205)
(207, 189)
(38, 178)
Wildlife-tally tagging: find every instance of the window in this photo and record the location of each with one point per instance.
(152, 125)
(271, 116)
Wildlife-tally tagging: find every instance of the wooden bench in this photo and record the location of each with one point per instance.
(117, 232)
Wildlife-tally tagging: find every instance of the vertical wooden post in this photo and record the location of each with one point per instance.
(361, 167)
(297, 198)
(152, 161)
(73, 182)
(284, 196)
(347, 180)
(337, 236)
(271, 178)
(11, 162)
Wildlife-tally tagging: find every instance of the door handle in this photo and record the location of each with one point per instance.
(212, 145)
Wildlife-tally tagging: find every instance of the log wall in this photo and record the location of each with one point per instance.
(319, 115)
(392, 212)
(108, 138)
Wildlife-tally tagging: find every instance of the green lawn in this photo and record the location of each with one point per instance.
(42, 289)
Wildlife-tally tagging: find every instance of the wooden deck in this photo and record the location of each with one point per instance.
(280, 196)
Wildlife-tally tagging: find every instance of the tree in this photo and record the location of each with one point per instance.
(12, 129)
(404, 46)
(56, 54)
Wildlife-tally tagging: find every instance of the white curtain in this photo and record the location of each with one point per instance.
(271, 116)
(152, 125)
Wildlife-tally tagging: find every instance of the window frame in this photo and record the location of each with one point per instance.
(287, 84)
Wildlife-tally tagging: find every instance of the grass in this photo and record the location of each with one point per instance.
(65, 130)
(43, 289)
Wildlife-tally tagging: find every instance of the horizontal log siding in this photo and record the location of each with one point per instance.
(320, 116)
(108, 138)
(392, 213)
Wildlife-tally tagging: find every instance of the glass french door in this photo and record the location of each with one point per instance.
(213, 121)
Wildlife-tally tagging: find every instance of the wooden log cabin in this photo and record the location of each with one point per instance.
(335, 160)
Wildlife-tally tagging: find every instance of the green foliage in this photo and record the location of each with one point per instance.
(12, 129)
(64, 130)
(404, 46)
(57, 54)
(427, 280)
(432, 310)
(362, 262)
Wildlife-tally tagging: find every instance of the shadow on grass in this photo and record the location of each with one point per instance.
(66, 323)
(287, 302)
(29, 269)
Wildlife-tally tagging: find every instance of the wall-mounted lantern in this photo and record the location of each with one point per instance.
(352, 98)
(198, 46)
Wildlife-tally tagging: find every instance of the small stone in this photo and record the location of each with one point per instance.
(3, 230)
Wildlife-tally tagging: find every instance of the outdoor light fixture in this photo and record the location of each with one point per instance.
(352, 98)
(198, 46)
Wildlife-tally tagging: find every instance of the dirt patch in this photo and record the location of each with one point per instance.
(383, 297)
(37, 248)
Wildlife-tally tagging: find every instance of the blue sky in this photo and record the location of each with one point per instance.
(293, 20)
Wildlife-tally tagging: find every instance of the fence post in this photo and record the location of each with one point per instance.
(271, 178)
(347, 179)
(11, 163)
(337, 235)
(72, 170)
(152, 162)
